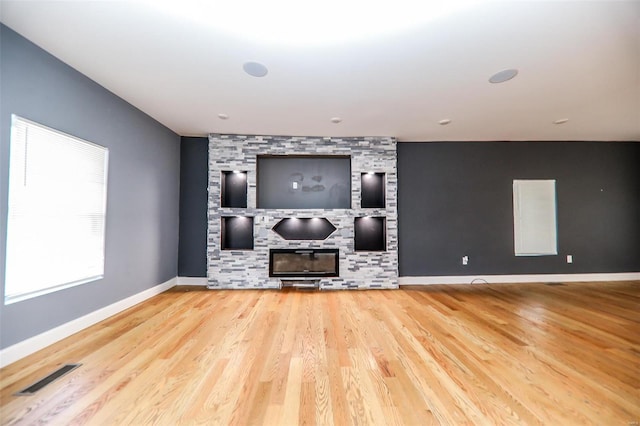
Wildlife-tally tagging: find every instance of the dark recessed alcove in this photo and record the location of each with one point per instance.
(370, 233)
(236, 233)
(303, 182)
(372, 190)
(233, 189)
(294, 228)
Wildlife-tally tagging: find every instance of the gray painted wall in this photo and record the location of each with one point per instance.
(455, 199)
(143, 193)
(194, 180)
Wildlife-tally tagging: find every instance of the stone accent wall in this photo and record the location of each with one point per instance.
(238, 269)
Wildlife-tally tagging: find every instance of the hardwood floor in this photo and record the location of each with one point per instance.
(476, 354)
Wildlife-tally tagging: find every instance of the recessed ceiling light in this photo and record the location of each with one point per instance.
(561, 121)
(222, 116)
(255, 69)
(502, 76)
(444, 121)
(336, 120)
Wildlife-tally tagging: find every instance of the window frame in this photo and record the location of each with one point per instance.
(98, 209)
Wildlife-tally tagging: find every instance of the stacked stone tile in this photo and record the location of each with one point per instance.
(241, 269)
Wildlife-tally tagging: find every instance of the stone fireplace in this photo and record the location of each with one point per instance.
(247, 261)
(304, 263)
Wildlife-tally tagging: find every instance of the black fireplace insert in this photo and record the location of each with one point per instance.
(300, 263)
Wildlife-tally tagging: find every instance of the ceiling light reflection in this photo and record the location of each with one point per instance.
(292, 22)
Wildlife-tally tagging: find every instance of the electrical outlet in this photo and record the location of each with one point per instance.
(569, 258)
(465, 260)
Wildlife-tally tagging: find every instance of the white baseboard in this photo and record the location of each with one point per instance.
(192, 281)
(538, 278)
(33, 344)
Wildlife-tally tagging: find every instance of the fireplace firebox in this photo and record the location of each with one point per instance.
(302, 263)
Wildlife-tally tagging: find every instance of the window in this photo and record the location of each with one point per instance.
(57, 207)
(534, 217)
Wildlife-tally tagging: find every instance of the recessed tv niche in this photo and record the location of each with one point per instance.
(303, 182)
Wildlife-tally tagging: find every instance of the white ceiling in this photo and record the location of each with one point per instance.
(576, 59)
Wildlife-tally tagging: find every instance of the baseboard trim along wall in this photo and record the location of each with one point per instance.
(192, 281)
(480, 279)
(20, 350)
(537, 278)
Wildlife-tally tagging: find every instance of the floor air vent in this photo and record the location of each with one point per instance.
(30, 390)
(553, 284)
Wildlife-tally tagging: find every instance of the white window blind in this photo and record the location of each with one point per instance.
(534, 217)
(57, 208)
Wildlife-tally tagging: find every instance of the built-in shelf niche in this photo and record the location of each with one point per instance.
(370, 233)
(372, 190)
(233, 189)
(293, 228)
(236, 233)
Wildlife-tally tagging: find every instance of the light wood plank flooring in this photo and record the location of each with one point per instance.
(476, 354)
